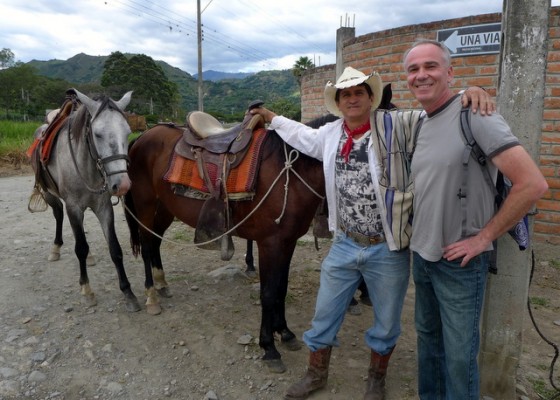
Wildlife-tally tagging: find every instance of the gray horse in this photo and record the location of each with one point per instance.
(85, 168)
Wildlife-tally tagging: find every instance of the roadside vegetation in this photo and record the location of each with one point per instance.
(15, 139)
(17, 136)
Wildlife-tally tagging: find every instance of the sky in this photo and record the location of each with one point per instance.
(238, 35)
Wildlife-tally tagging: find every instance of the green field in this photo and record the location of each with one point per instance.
(15, 139)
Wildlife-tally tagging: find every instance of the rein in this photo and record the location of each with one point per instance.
(288, 167)
(100, 163)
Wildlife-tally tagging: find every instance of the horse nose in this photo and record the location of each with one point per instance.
(122, 186)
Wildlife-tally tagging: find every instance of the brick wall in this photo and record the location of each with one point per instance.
(383, 51)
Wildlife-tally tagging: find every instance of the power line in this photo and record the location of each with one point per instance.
(170, 20)
(253, 5)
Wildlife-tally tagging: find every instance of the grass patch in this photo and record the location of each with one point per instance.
(540, 387)
(16, 137)
(539, 301)
(555, 264)
(290, 298)
(177, 278)
(182, 236)
(304, 243)
(134, 135)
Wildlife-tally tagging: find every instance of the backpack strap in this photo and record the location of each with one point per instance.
(472, 147)
(472, 150)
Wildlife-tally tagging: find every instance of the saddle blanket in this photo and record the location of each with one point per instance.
(45, 143)
(46, 139)
(241, 179)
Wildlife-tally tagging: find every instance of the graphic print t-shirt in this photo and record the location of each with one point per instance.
(355, 195)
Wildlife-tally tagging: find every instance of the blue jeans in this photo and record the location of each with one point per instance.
(447, 315)
(386, 274)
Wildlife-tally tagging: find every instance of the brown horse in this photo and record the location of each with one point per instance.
(292, 196)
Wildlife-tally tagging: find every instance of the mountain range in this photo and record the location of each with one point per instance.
(223, 92)
(216, 76)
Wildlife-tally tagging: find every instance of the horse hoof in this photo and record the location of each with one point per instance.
(251, 274)
(54, 257)
(275, 366)
(90, 300)
(132, 305)
(292, 344)
(164, 292)
(153, 309)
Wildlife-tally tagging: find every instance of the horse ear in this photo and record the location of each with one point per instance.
(386, 98)
(90, 104)
(122, 103)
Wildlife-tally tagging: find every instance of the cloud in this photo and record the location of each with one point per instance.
(238, 36)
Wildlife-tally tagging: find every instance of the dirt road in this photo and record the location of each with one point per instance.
(203, 345)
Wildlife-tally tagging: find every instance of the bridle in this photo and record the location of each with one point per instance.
(100, 163)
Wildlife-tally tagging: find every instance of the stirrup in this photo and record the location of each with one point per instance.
(37, 202)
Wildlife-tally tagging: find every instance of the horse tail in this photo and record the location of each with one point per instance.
(131, 219)
(133, 226)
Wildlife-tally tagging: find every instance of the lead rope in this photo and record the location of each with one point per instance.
(288, 167)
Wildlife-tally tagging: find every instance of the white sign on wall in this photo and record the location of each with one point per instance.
(472, 40)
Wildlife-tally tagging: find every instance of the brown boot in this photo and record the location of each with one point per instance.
(315, 377)
(375, 387)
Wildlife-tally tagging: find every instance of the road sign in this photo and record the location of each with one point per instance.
(472, 40)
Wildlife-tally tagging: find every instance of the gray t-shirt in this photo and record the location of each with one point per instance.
(438, 173)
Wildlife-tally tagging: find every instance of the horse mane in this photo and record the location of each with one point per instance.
(322, 120)
(77, 121)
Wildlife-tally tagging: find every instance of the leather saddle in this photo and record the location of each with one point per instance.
(212, 146)
(207, 140)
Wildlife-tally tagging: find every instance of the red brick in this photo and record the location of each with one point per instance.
(553, 229)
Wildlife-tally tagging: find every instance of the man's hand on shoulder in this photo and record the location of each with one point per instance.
(479, 99)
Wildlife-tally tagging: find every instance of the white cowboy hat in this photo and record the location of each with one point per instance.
(352, 77)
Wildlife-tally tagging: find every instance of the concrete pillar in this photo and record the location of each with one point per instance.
(342, 35)
(521, 102)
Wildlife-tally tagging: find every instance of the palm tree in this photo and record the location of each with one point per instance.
(302, 64)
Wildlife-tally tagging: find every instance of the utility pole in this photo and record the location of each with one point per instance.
(199, 34)
(520, 101)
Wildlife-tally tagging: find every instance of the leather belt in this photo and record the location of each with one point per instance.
(362, 239)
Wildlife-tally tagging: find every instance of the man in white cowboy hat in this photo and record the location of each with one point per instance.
(368, 212)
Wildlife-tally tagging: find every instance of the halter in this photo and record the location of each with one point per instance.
(100, 163)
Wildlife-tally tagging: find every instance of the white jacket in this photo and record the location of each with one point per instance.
(395, 190)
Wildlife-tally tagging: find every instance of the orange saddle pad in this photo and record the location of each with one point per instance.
(241, 179)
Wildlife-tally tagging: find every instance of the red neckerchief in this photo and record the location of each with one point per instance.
(345, 152)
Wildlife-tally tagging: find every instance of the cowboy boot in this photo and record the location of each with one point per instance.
(315, 377)
(375, 387)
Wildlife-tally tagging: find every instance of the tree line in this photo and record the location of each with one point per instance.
(26, 95)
